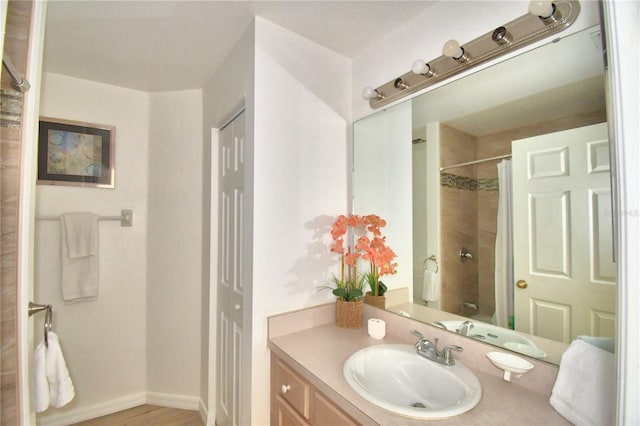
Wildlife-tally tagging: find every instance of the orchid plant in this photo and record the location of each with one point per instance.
(349, 285)
(376, 251)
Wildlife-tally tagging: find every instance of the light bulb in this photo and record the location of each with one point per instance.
(452, 49)
(370, 93)
(420, 67)
(541, 8)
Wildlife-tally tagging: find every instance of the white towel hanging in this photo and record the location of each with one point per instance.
(40, 383)
(61, 390)
(79, 256)
(430, 286)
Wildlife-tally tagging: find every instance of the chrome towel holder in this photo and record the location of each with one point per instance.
(434, 260)
(34, 308)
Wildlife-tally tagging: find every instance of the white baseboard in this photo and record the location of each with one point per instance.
(124, 403)
(92, 411)
(173, 401)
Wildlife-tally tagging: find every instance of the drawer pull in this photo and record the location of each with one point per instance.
(285, 388)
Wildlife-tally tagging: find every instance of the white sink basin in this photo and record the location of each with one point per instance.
(397, 379)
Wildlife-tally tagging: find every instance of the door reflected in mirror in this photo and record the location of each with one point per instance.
(497, 196)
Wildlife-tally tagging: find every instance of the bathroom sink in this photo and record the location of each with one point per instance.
(396, 378)
(498, 336)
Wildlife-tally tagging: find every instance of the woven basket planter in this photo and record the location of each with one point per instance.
(349, 314)
(377, 301)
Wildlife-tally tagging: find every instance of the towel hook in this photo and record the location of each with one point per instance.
(434, 260)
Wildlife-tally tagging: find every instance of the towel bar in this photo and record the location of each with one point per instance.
(125, 218)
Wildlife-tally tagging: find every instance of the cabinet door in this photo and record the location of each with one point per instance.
(285, 415)
(324, 413)
(288, 385)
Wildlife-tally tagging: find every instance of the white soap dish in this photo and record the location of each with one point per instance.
(511, 364)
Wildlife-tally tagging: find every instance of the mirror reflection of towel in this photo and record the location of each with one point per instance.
(430, 286)
(79, 256)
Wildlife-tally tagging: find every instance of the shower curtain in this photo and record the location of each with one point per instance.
(504, 249)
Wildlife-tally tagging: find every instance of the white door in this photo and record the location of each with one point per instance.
(563, 234)
(233, 350)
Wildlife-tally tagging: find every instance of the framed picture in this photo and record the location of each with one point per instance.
(73, 153)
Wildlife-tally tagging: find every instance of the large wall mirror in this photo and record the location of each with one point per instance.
(497, 194)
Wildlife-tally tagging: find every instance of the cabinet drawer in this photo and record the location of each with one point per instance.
(291, 387)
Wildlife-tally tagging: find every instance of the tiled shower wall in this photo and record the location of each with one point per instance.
(16, 47)
(459, 225)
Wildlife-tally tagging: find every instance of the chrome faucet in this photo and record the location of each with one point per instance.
(464, 328)
(429, 350)
(440, 324)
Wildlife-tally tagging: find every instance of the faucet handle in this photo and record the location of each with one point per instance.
(417, 334)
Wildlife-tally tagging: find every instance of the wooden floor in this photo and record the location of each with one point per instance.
(147, 415)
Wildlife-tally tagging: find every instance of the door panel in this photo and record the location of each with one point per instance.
(563, 235)
(232, 354)
(550, 227)
(550, 319)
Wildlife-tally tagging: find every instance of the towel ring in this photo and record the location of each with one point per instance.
(434, 260)
(48, 324)
(34, 308)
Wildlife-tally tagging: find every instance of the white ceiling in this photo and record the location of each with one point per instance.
(158, 45)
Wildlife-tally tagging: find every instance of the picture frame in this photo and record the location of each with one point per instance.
(73, 153)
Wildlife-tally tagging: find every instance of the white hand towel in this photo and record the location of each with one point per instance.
(585, 389)
(81, 234)
(606, 343)
(79, 256)
(430, 286)
(40, 383)
(61, 390)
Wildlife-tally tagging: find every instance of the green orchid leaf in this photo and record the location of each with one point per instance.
(355, 293)
(382, 288)
(341, 293)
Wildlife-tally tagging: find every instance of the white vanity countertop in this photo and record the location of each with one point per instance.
(318, 354)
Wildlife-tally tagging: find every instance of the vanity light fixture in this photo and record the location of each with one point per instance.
(453, 50)
(420, 67)
(371, 93)
(543, 19)
(400, 84)
(546, 11)
(501, 36)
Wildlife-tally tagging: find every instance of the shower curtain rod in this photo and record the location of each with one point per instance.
(20, 84)
(499, 157)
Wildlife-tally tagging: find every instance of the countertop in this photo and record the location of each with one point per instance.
(318, 353)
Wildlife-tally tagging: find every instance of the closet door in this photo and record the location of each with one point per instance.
(234, 336)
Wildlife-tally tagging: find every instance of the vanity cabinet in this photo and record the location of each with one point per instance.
(295, 402)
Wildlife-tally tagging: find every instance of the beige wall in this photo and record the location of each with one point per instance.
(104, 341)
(300, 181)
(141, 337)
(174, 244)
